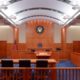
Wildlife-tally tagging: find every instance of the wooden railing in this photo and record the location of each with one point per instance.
(72, 73)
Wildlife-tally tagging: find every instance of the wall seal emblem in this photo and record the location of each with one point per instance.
(40, 29)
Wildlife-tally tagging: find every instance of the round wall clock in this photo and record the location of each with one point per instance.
(39, 29)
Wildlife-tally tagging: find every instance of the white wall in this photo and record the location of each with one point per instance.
(6, 33)
(57, 33)
(22, 33)
(73, 34)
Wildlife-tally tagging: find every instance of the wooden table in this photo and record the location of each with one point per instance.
(52, 62)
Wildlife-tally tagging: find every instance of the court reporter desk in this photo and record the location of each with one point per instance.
(51, 62)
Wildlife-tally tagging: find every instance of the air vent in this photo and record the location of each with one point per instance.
(66, 1)
(13, 1)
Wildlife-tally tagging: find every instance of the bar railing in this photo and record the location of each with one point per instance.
(71, 73)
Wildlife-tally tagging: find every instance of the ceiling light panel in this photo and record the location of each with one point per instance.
(39, 8)
(53, 4)
(58, 9)
(39, 12)
(34, 17)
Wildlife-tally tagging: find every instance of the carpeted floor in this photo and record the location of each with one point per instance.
(65, 73)
(65, 63)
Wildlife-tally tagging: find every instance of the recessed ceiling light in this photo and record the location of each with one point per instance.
(66, 17)
(13, 17)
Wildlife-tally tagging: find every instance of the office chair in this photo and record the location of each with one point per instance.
(41, 74)
(41, 63)
(24, 63)
(7, 63)
(25, 73)
(6, 73)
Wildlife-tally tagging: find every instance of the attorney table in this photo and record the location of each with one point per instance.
(51, 62)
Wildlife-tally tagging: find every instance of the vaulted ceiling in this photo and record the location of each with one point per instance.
(59, 11)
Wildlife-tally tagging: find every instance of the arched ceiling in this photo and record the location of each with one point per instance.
(59, 11)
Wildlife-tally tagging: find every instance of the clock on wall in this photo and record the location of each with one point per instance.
(39, 29)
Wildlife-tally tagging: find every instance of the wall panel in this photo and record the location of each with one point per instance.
(6, 33)
(45, 38)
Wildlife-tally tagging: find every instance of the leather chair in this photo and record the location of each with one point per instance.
(7, 63)
(25, 73)
(7, 73)
(41, 63)
(41, 74)
(24, 63)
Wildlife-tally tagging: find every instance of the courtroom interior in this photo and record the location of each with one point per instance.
(39, 40)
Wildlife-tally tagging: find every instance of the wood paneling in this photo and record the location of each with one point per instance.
(16, 34)
(3, 47)
(21, 51)
(33, 38)
(76, 46)
(75, 58)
